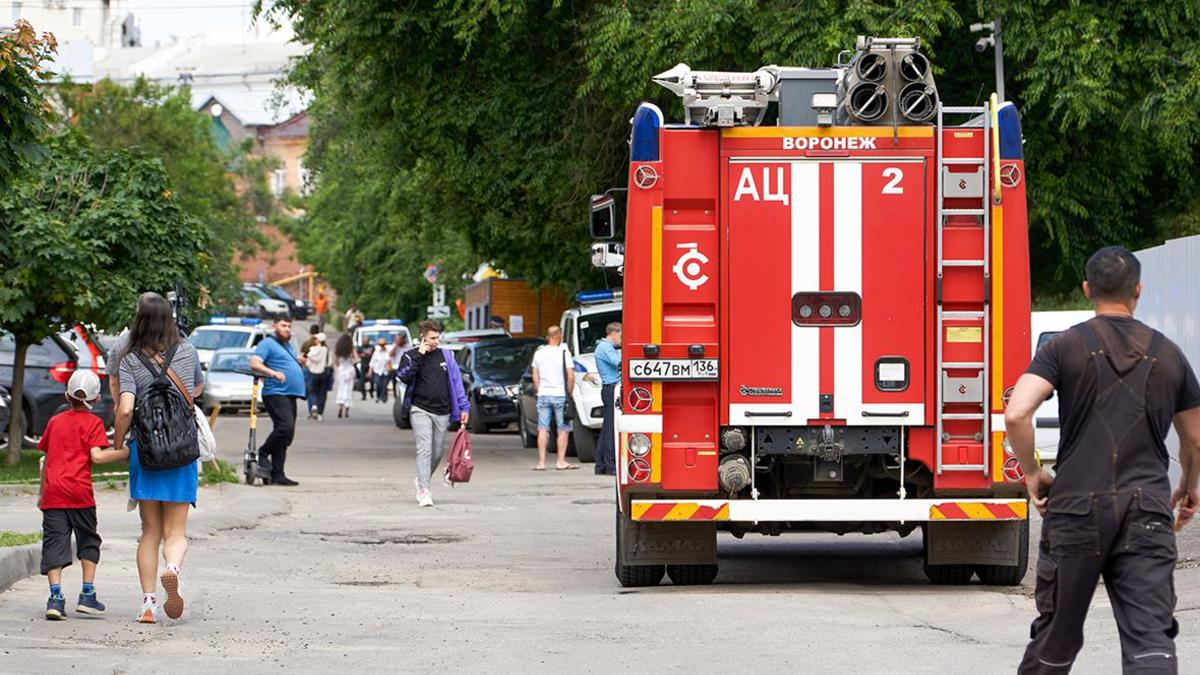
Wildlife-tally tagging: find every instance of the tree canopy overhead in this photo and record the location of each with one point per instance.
(488, 122)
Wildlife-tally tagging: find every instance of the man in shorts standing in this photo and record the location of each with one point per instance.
(553, 378)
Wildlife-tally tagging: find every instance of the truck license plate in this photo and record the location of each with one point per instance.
(673, 369)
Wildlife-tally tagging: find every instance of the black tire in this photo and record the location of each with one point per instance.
(475, 425)
(528, 440)
(1008, 575)
(946, 575)
(398, 415)
(249, 469)
(634, 576)
(585, 443)
(692, 575)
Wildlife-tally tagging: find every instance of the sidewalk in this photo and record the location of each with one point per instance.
(219, 507)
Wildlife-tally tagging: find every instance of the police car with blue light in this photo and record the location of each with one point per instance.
(226, 332)
(372, 330)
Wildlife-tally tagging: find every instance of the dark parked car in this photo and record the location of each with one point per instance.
(527, 423)
(48, 366)
(5, 401)
(300, 309)
(492, 378)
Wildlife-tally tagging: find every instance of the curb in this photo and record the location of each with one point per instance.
(18, 562)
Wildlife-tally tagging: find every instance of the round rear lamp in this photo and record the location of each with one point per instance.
(639, 445)
(805, 311)
(844, 311)
(825, 311)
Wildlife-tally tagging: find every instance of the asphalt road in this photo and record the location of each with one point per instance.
(512, 572)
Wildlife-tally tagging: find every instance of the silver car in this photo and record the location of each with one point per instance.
(227, 383)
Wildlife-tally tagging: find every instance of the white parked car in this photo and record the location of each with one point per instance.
(227, 384)
(256, 303)
(582, 328)
(225, 333)
(1043, 327)
(369, 333)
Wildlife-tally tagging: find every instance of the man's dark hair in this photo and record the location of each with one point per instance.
(427, 326)
(1113, 274)
(313, 329)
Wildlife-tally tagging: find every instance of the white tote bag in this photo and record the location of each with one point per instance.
(204, 434)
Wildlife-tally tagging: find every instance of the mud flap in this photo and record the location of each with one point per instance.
(973, 543)
(665, 543)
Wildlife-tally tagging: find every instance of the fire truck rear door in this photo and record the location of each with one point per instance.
(814, 227)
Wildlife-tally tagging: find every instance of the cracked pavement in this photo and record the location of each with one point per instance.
(512, 572)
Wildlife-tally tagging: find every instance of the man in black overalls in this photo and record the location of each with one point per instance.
(1108, 507)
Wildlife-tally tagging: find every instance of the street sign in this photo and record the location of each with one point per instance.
(438, 311)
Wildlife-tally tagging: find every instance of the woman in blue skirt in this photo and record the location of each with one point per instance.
(163, 496)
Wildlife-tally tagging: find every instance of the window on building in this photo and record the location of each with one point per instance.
(306, 185)
(16, 11)
(278, 182)
(77, 16)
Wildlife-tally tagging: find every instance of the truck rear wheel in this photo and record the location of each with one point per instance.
(1008, 575)
(634, 576)
(692, 575)
(946, 575)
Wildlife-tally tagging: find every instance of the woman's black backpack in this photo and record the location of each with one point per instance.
(164, 421)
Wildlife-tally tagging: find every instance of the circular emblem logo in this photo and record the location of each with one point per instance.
(1010, 175)
(1007, 396)
(1012, 470)
(640, 399)
(639, 469)
(645, 177)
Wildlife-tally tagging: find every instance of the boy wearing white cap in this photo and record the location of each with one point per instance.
(73, 441)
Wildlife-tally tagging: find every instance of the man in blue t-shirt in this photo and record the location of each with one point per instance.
(283, 382)
(608, 363)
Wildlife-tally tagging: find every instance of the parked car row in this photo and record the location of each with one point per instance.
(48, 366)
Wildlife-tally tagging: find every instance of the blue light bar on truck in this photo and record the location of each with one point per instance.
(384, 322)
(597, 296)
(233, 321)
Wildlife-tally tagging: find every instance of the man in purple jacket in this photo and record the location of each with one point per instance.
(434, 396)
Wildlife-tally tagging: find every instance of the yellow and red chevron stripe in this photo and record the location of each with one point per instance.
(1016, 510)
(663, 511)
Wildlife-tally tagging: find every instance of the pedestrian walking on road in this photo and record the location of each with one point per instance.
(304, 347)
(434, 395)
(73, 441)
(275, 359)
(1108, 507)
(380, 362)
(344, 374)
(553, 377)
(163, 496)
(320, 369)
(321, 307)
(608, 363)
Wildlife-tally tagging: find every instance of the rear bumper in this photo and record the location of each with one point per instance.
(827, 510)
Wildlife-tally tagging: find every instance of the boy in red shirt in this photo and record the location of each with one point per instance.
(73, 440)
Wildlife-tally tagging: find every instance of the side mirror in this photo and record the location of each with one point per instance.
(602, 222)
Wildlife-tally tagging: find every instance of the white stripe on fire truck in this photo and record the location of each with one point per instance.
(646, 424)
(806, 278)
(847, 278)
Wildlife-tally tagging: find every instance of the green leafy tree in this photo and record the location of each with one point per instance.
(495, 119)
(22, 106)
(82, 232)
(221, 188)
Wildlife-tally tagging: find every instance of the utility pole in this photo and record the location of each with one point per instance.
(993, 39)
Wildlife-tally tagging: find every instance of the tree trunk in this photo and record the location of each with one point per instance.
(16, 421)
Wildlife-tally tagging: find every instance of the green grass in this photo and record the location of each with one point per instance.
(224, 472)
(18, 538)
(26, 471)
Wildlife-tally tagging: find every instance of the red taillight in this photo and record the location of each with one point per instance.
(61, 372)
(97, 357)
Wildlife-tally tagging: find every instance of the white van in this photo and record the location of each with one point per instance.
(1043, 327)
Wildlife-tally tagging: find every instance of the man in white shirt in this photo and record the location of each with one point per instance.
(553, 378)
(380, 360)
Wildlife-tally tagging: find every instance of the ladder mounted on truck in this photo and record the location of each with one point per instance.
(962, 391)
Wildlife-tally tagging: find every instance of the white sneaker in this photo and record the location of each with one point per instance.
(417, 487)
(148, 613)
(425, 499)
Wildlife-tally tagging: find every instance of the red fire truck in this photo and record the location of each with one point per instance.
(826, 303)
